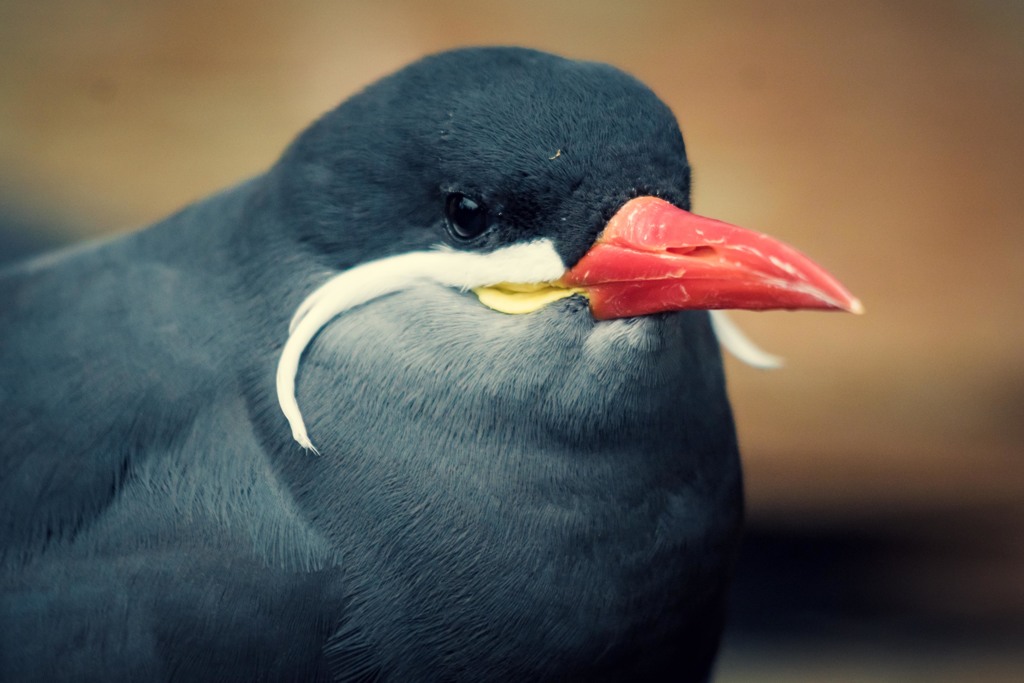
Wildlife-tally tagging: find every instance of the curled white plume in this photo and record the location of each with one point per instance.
(533, 262)
(732, 339)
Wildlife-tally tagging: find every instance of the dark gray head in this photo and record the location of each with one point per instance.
(550, 147)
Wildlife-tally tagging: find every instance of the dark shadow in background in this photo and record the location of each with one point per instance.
(916, 585)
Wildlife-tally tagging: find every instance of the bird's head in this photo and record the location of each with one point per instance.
(525, 179)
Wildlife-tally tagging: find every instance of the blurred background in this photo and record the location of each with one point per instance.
(885, 462)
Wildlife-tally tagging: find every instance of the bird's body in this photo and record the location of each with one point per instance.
(532, 497)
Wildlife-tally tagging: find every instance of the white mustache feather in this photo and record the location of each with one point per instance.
(533, 262)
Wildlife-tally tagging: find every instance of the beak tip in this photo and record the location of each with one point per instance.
(855, 306)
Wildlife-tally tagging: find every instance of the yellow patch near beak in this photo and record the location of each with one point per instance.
(516, 299)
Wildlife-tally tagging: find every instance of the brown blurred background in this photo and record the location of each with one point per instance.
(885, 464)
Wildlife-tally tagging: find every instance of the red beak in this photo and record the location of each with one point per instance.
(654, 257)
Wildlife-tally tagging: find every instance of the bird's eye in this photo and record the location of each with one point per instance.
(466, 218)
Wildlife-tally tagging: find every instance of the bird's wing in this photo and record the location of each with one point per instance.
(104, 362)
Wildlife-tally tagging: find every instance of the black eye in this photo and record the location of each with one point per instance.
(466, 218)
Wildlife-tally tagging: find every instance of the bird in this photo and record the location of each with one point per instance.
(437, 397)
